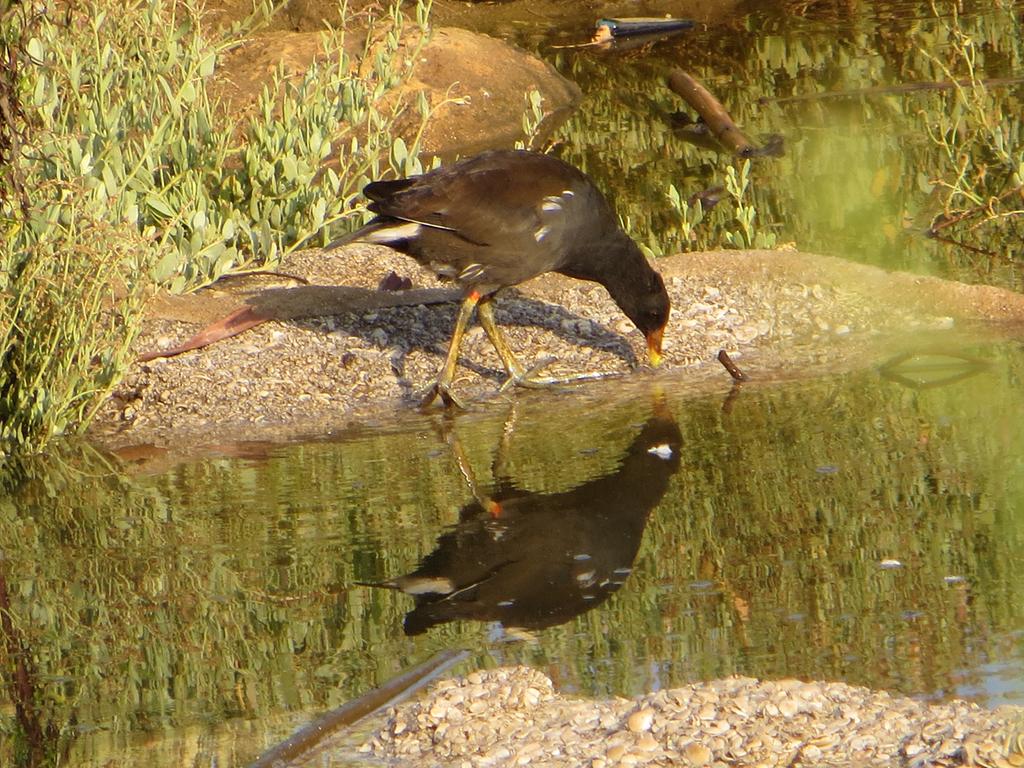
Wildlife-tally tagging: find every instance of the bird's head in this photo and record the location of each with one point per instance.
(648, 307)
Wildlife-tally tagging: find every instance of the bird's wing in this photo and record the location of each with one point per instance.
(476, 203)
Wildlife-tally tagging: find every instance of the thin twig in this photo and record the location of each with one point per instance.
(934, 229)
(730, 366)
(884, 90)
(965, 246)
(22, 682)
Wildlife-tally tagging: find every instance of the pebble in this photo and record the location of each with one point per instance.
(647, 743)
(751, 331)
(717, 728)
(788, 708)
(811, 752)
(641, 720)
(697, 754)
(581, 328)
(615, 753)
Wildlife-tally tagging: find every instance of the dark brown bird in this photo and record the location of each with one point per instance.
(500, 218)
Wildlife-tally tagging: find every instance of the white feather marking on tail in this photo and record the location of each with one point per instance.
(404, 231)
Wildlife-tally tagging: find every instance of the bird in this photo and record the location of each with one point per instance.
(499, 218)
(532, 560)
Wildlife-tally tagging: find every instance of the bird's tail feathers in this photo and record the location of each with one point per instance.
(360, 234)
(378, 191)
(383, 231)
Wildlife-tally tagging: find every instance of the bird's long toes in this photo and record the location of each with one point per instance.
(534, 382)
(440, 390)
(529, 379)
(540, 365)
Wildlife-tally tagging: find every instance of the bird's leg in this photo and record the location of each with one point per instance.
(517, 375)
(451, 436)
(442, 387)
(508, 359)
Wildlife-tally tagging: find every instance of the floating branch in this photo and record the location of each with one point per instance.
(631, 32)
(388, 694)
(716, 118)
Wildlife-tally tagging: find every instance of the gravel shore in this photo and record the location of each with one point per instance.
(513, 716)
(338, 351)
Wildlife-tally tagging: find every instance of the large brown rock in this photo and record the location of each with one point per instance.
(483, 83)
(476, 85)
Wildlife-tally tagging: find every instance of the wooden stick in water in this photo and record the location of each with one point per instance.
(711, 112)
(393, 691)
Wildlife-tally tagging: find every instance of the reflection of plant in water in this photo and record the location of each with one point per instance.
(626, 134)
(533, 117)
(34, 624)
(982, 185)
(730, 224)
(848, 94)
(124, 611)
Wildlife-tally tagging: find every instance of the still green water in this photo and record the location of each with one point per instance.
(646, 535)
(678, 536)
(867, 166)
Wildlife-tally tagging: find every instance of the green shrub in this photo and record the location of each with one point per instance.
(126, 173)
(68, 314)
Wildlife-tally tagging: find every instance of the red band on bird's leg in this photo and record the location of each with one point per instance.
(474, 295)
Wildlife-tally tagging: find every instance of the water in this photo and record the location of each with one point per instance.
(640, 535)
(622, 537)
(862, 176)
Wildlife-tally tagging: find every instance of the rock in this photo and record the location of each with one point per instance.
(641, 720)
(483, 80)
(697, 754)
(615, 753)
(475, 83)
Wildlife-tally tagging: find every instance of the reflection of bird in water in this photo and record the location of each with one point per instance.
(533, 560)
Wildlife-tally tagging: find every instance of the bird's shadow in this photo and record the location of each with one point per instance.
(409, 321)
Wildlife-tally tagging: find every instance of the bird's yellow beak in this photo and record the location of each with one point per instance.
(654, 346)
